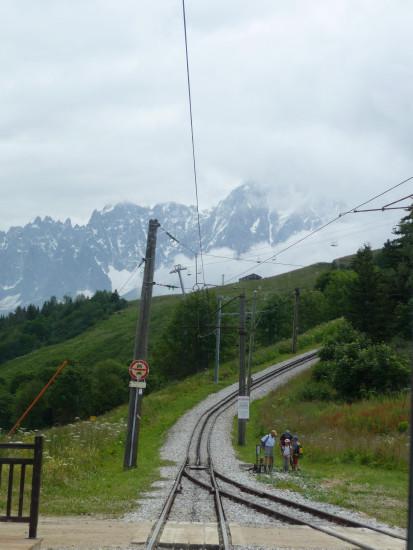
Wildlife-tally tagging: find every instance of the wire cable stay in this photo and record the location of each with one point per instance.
(175, 239)
(132, 274)
(389, 206)
(193, 142)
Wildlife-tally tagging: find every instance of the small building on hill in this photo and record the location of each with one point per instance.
(252, 277)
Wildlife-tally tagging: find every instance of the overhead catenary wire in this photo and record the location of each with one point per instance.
(338, 217)
(295, 243)
(193, 142)
(178, 241)
(224, 257)
(227, 259)
(132, 274)
(389, 206)
(170, 287)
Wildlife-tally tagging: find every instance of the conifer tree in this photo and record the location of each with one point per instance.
(369, 309)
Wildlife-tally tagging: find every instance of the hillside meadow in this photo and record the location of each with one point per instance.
(356, 454)
(83, 467)
(113, 338)
(99, 356)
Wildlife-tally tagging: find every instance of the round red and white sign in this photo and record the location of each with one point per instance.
(138, 370)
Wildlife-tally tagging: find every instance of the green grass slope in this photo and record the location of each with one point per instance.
(113, 338)
(83, 461)
(355, 455)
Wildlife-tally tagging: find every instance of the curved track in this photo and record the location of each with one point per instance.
(199, 459)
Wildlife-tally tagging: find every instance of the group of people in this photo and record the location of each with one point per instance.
(290, 448)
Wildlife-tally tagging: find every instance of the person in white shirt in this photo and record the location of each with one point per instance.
(268, 443)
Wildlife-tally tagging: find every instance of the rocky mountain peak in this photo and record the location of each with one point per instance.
(48, 257)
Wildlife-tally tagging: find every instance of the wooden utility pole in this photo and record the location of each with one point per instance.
(218, 340)
(242, 423)
(410, 512)
(251, 342)
(295, 319)
(141, 348)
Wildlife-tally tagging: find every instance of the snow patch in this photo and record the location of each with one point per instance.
(9, 303)
(11, 286)
(108, 208)
(86, 292)
(253, 228)
(123, 280)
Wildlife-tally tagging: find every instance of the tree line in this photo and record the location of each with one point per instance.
(30, 328)
(373, 292)
(79, 392)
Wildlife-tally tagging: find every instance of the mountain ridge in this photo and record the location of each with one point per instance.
(50, 257)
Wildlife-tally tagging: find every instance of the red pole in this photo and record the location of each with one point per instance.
(38, 396)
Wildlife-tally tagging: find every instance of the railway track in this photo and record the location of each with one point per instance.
(198, 468)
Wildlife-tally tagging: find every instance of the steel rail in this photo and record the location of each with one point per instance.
(306, 508)
(280, 515)
(157, 529)
(224, 531)
(156, 532)
(257, 381)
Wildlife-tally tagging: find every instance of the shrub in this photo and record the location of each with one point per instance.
(356, 368)
(316, 391)
(343, 333)
(323, 371)
(403, 426)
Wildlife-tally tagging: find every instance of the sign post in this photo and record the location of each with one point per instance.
(140, 352)
(138, 371)
(242, 422)
(243, 407)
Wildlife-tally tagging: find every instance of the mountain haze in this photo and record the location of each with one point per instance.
(53, 258)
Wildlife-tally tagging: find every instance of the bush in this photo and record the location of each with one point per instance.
(343, 333)
(109, 386)
(316, 391)
(323, 372)
(357, 368)
(403, 426)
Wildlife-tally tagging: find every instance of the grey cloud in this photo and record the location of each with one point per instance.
(93, 101)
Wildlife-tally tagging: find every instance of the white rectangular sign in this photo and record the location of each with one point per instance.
(137, 384)
(243, 407)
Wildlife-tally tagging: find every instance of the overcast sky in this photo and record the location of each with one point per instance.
(93, 101)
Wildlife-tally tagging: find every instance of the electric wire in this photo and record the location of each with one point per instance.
(340, 216)
(170, 287)
(132, 274)
(339, 233)
(273, 257)
(399, 200)
(178, 241)
(193, 142)
(227, 259)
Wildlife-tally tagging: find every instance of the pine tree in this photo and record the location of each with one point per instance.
(370, 309)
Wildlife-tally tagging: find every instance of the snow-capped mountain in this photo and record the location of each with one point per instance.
(50, 258)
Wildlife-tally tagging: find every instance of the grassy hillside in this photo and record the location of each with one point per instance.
(113, 338)
(83, 463)
(355, 455)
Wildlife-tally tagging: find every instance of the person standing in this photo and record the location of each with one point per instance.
(296, 452)
(268, 443)
(286, 454)
(285, 435)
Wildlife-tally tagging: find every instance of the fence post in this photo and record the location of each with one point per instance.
(36, 481)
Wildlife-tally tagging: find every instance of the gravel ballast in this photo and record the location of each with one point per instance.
(195, 504)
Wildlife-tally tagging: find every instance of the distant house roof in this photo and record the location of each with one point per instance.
(252, 277)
